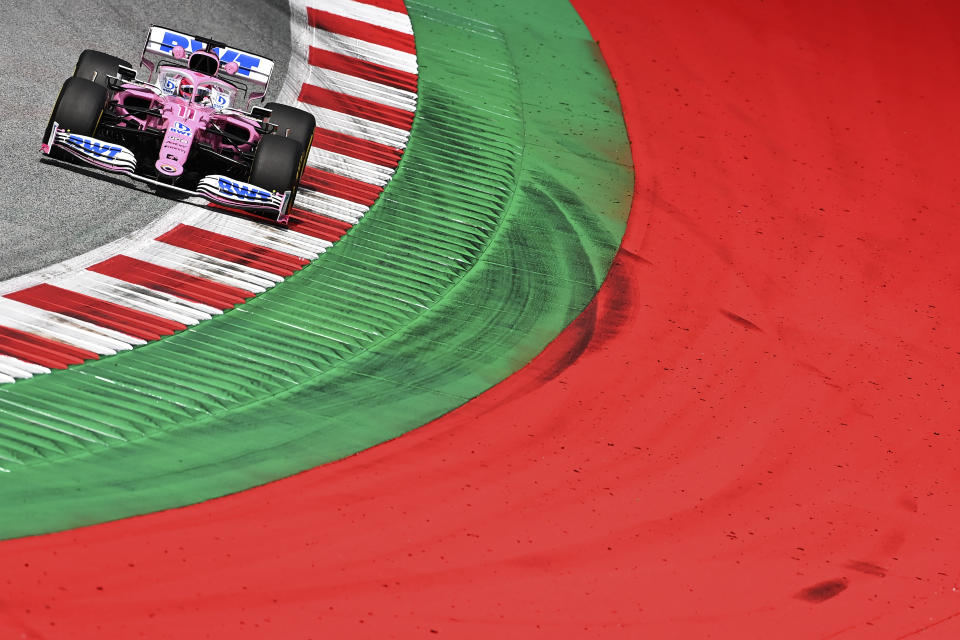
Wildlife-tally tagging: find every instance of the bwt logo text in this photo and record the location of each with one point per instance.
(95, 147)
(242, 191)
(246, 61)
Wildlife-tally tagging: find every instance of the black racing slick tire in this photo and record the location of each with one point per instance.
(276, 165)
(293, 123)
(96, 66)
(78, 108)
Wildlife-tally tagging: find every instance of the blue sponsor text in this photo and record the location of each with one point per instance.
(94, 146)
(246, 61)
(242, 191)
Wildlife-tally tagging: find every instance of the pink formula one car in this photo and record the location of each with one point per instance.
(193, 125)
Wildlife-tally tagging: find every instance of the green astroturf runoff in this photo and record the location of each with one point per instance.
(496, 231)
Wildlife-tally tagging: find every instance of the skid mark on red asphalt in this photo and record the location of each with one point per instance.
(664, 469)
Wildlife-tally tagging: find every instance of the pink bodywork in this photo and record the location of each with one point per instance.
(185, 122)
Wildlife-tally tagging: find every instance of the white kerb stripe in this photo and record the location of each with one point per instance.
(139, 297)
(317, 202)
(241, 272)
(360, 88)
(357, 127)
(349, 167)
(16, 368)
(56, 326)
(211, 220)
(15, 364)
(292, 243)
(366, 13)
(362, 50)
(335, 203)
(170, 257)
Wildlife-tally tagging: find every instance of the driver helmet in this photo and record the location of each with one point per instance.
(185, 90)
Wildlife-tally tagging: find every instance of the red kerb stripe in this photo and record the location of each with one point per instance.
(374, 152)
(305, 222)
(361, 30)
(359, 107)
(316, 225)
(177, 283)
(340, 186)
(232, 249)
(363, 69)
(39, 350)
(100, 312)
(389, 5)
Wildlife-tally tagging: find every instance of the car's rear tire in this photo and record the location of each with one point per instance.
(78, 108)
(295, 124)
(96, 66)
(276, 165)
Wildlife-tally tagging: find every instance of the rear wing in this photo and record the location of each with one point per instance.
(252, 74)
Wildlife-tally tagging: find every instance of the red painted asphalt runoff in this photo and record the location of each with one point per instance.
(752, 432)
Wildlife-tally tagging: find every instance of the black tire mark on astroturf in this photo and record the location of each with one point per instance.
(557, 209)
(607, 312)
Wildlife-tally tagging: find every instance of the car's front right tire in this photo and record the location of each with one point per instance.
(79, 107)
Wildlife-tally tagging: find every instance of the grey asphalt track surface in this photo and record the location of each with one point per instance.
(50, 213)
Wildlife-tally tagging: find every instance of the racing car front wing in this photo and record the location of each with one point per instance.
(215, 188)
